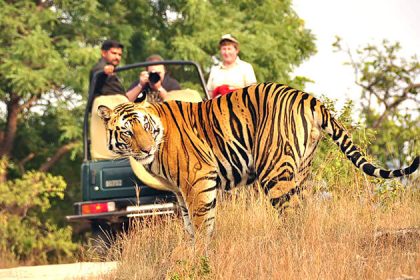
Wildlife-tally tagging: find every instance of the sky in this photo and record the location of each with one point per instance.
(358, 23)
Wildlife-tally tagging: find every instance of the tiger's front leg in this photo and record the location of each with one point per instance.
(199, 194)
(185, 215)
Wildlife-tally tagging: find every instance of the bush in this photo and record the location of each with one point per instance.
(25, 234)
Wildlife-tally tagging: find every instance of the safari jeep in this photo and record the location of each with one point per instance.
(111, 193)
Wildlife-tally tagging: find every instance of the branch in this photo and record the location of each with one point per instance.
(354, 64)
(28, 103)
(404, 96)
(371, 91)
(409, 87)
(57, 156)
(21, 164)
(395, 104)
(370, 85)
(379, 121)
(7, 137)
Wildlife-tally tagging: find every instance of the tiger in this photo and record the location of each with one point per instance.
(266, 132)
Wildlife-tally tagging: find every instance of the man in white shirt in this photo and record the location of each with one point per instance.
(232, 72)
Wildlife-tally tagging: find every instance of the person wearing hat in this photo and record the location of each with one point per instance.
(108, 83)
(232, 72)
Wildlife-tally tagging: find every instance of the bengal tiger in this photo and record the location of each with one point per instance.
(266, 132)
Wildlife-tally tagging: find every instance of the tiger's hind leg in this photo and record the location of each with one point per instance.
(282, 186)
(282, 194)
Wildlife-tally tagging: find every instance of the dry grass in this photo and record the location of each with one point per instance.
(320, 239)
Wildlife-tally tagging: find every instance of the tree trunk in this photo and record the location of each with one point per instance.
(11, 126)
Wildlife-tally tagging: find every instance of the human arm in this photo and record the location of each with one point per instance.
(210, 84)
(137, 87)
(133, 92)
(100, 78)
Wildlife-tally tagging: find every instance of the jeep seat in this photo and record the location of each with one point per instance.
(98, 148)
(186, 95)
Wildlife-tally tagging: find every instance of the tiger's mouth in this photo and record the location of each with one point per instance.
(144, 159)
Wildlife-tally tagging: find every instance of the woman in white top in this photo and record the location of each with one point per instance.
(232, 72)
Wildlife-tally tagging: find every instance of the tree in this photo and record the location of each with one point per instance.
(25, 234)
(272, 36)
(48, 48)
(34, 66)
(389, 99)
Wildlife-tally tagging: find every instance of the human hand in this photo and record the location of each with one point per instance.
(144, 78)
(221, 90)
(156, 86)
(109, 69)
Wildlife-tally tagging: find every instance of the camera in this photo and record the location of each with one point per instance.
(154, 77)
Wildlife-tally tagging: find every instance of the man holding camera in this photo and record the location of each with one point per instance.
(155, 82)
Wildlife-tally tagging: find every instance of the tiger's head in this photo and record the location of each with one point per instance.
(132, 131)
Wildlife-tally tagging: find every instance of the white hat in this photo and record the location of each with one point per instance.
(228, 37)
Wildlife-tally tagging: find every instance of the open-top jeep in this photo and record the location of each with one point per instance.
(111, 193)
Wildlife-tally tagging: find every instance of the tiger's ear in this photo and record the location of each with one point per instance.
(104, 113)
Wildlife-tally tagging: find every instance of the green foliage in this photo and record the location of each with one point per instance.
(44, 63)
(332, 170)
(36, 131)
(329, 160)
(388, 191)
(24, 232)
(272, 37)
(30, 61)
(397, 141)
(198, 268)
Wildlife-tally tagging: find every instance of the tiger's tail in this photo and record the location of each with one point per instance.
(342, 139)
